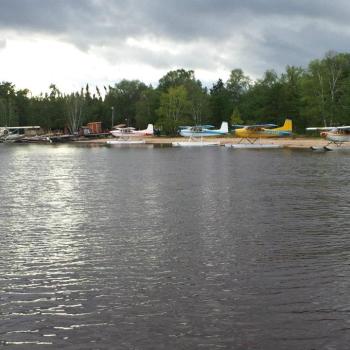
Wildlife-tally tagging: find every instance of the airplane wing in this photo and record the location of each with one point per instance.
(343, 127)
(207, 126)
(21, 127)
(254, 126)
(237, 126)
(259, 126)
(196, 126)
(328, 128)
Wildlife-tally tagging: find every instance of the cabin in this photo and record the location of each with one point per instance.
(91, 128)
(95, 127)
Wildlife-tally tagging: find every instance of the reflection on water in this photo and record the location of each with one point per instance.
(141, 248)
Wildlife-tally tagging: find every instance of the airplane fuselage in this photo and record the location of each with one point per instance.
(336, 137)
(131, 132)
(200, 131)
(121, 133)
(265, 133)
(254, 132)
(204, 133)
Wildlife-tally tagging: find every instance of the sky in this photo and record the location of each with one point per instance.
(74, 42)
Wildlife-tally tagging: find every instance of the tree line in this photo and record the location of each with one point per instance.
(317, 95)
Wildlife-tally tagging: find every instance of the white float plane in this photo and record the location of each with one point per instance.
(334, 135)
(123, 131)
(14, 133)
(126, 134)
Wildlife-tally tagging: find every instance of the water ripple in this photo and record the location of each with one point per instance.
(105, 248)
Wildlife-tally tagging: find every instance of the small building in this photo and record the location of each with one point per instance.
(95, 127)
(36, 130)
(84, 131)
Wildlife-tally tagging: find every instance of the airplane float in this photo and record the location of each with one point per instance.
(252, 133)
(14, 133)
(195, 135)
(126, 134)
(334, 135)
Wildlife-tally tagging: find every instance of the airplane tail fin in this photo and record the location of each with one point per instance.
(287, 126)
(150, 129)
(224, 127)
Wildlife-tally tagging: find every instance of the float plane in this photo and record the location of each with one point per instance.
(251, 133)
(14, 133)
(334, 135)
(126, 134)
(196, 133)
(123, 131)
(203, 130)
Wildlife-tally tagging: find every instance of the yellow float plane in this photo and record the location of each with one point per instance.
(251, 133)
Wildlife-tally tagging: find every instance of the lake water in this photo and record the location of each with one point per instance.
(166, 248)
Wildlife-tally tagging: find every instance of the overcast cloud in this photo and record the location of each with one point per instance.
(210, 36)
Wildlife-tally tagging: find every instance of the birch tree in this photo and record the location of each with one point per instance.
(325, 86)
(74, 110)
(173, 106)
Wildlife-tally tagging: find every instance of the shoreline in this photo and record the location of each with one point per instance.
(301, 142)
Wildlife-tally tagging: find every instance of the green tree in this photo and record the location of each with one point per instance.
(22, 106)
(179, 77)
(290, 97)
(325, 90)
(172, 110)
(220, 103)
(236, 118)
(198, 103)
(262, 102)
(74, 110)
(8, 115)
(124, 97)
(146, 107)
(237, 85)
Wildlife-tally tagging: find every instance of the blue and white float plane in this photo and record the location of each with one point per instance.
(195, 135)
(204, 130)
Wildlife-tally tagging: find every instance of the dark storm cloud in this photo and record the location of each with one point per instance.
(255, 34)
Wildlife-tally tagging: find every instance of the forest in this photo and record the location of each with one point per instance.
(317, 95)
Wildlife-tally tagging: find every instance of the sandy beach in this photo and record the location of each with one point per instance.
(299, 142)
